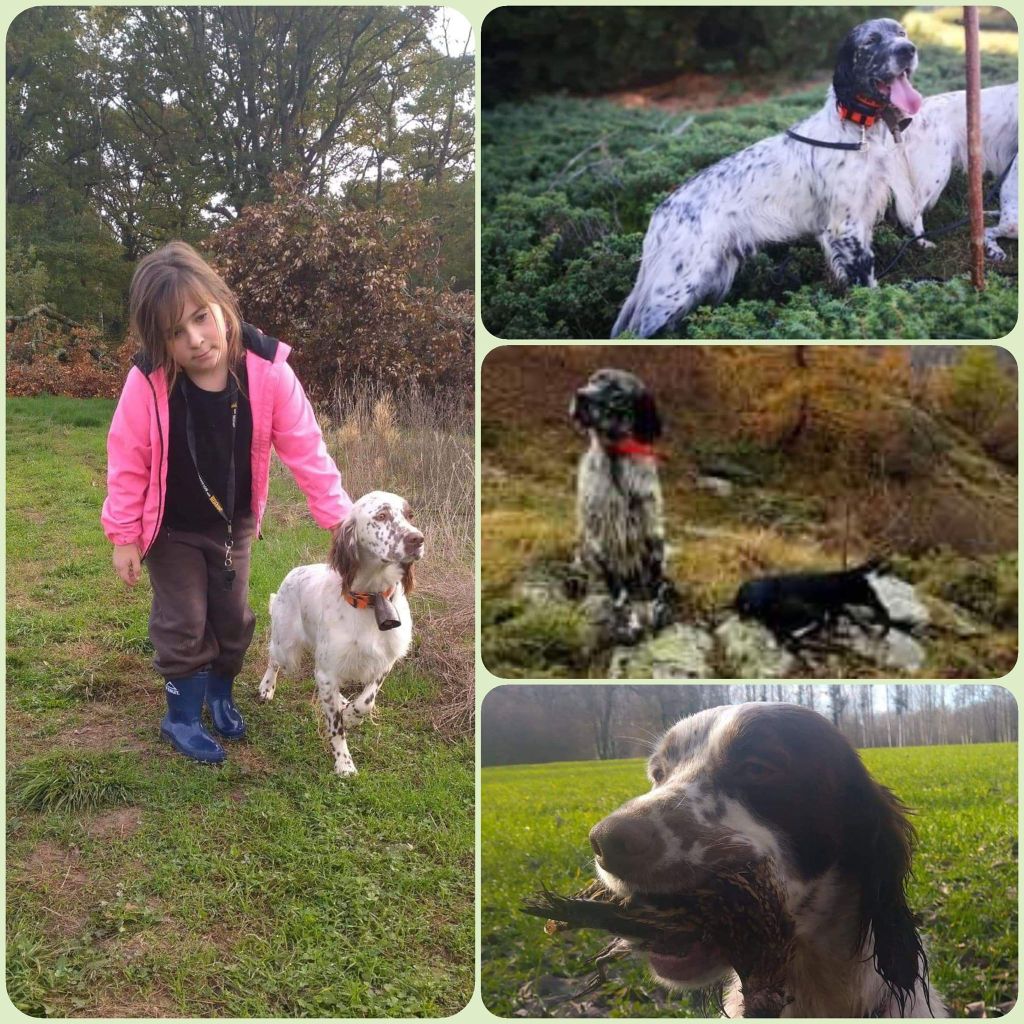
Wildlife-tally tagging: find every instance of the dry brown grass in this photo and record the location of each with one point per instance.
(420, 446)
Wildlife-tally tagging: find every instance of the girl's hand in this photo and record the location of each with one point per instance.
(128, 563)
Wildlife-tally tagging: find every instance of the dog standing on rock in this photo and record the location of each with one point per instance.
(618, 503)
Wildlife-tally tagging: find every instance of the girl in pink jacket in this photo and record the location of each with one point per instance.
(188, 473)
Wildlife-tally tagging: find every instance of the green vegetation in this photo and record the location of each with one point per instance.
(590, 49)
(142, 884)
(568, 187)
(534, 825)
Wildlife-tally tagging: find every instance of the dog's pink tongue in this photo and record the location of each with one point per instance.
(903, 95)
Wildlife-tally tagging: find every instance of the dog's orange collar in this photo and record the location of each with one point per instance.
(364, 600)
(864, 118)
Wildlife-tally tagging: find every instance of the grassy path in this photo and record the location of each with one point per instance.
(141, 884)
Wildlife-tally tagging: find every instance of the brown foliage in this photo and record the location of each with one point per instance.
(45, 357)
(338, 283)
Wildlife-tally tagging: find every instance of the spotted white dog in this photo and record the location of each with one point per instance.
(828, 178)
(621, 543)
(329, 610)
(777, 785)
(936, 144)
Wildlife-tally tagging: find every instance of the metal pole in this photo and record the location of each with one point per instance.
(974, 161)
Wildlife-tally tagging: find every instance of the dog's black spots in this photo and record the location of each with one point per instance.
(337, 724)
(791, 603)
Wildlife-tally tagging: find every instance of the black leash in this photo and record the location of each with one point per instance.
(226, 510)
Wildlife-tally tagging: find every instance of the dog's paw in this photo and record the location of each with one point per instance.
(351, 715)
(345, 767)
(923, 243)
(266, 693)
(994, 253)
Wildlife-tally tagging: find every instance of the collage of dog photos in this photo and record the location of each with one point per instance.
(512, 512)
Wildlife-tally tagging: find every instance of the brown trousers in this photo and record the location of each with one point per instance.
(195, 619)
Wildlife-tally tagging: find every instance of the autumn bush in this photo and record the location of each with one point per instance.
(335, 282)
(46, 357)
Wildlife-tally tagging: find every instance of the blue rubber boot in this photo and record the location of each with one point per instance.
(227, 719)
(183, 725)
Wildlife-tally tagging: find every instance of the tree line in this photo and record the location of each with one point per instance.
(129, 126)
(538, 724)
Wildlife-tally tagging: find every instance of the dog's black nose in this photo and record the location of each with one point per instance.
(906, 50)
(626, 845)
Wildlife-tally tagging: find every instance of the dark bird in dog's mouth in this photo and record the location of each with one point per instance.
(741, 911)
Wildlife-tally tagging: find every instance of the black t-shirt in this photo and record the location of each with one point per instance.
(187, 504)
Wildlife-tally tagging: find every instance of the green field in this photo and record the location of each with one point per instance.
(535, 821)
(143, 884)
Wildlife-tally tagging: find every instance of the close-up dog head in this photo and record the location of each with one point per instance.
(875, 63)
(378, 533)
(733, 786)
(616, 405)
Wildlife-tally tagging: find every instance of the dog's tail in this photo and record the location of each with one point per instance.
(640, 314)
(622, 321)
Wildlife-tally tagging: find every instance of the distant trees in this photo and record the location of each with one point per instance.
(534, 724)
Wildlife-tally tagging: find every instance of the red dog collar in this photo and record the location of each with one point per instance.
(364, 600)
(631, 446)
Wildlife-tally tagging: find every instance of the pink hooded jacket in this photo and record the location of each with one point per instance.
(281, 417)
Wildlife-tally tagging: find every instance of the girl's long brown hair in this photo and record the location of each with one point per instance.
(162, 283)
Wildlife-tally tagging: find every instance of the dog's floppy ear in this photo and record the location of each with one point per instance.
(646, 421)
(345, 551)
(878, 851)
(844, 79)
(408, 579)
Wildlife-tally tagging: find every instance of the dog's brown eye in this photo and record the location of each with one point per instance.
(757, 771)
(381, 517)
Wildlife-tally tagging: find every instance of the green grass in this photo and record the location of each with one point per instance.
(71, 784)
(534, 825)
(568, 187)
(143, 884)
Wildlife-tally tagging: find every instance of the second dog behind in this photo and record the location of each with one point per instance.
(936, 145)
(328, 610)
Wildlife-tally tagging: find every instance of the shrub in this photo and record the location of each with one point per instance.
(335, 282)
(45, 357)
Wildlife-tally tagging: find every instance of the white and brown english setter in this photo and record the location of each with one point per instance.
(621, 537)
(352, 615)
(733, 787)
(829, 177)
